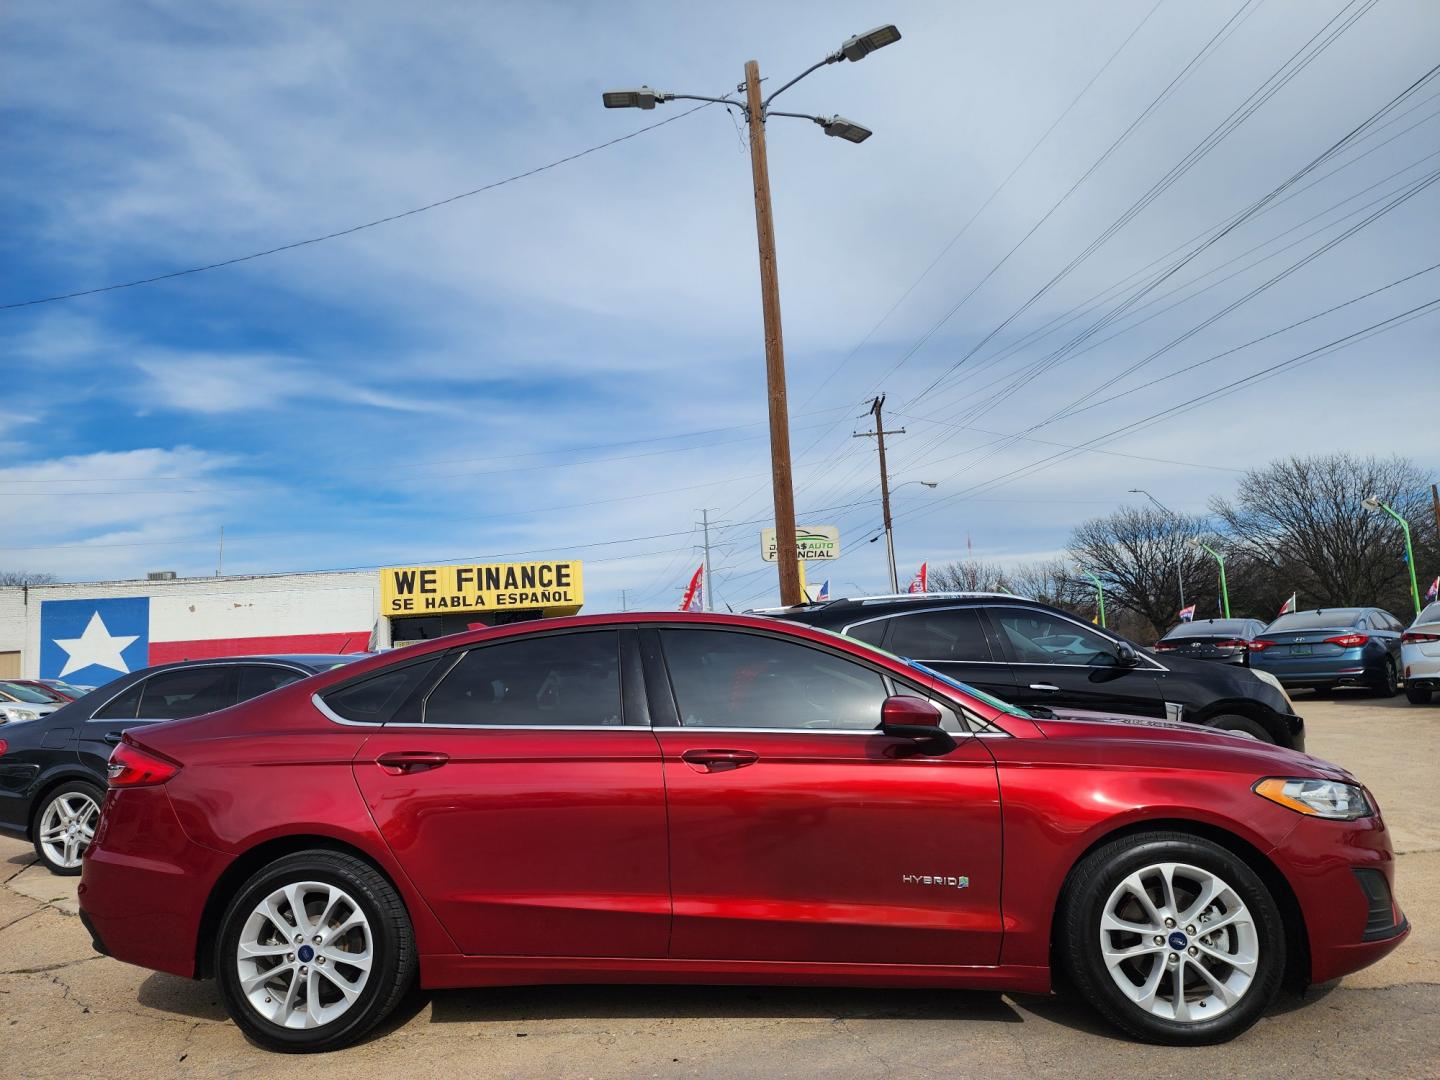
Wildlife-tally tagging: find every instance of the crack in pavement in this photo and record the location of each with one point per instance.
(50, 967)
(17, 873)
(43, 906)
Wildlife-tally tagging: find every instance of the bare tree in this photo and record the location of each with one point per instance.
(25, 577)
(1300, 525)
(969, 575)
(1139, 554)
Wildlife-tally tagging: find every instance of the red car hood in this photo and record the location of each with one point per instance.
(1083, 724)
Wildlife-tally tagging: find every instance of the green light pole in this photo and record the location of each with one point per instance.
(1374, 503)
(1099, 595)
(1224, 589)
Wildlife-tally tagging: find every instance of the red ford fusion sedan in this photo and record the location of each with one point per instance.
(720, 799)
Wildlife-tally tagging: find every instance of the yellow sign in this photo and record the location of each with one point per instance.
(428, 590)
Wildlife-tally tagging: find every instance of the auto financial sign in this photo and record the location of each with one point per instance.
(812, 542)
(421, 590)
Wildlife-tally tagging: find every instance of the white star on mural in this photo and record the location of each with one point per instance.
(96, 646)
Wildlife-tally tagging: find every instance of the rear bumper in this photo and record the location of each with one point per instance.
(1420, 670)
(1349, 668)
(145, 883)
(1343, 875)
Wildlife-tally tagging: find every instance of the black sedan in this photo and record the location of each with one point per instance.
(1037, 656)
(52, 770)
(1225, 640)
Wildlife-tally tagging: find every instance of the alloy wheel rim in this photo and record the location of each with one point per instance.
(1179, 942)
(67, 827)
(304, 955)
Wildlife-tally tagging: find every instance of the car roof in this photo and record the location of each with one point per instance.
(848, 610)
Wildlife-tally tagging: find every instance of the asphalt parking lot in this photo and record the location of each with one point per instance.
(66, 1012)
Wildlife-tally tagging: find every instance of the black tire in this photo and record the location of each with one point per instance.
(393, 965)
(1090, 887)
(67, 790)
(1388, 684)
(1418, 695)
(1242, 725)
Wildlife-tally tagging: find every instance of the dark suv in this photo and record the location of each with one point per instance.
(52, 770)
(1036, 656)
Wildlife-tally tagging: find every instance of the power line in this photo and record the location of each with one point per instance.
(355, 228)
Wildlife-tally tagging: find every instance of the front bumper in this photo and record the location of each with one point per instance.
(1343, 876)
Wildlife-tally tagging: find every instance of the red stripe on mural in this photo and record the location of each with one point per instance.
(165, 652)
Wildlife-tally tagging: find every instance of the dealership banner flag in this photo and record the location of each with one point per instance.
(1289, 605)
(921, 582)
(824, 593)
(1187, 613)
(1434, 590)
(695, 591)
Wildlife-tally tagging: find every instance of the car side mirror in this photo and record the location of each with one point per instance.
(1127, 655)
(909, 717)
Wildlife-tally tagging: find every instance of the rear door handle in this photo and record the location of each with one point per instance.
(114, 737)
(401, 762)
(1048, 687)
(719, 760)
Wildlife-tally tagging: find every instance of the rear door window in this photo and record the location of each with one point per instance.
(375, 700)
(257, 679)
(123, 707)
(554, 680)
(953, 634)
(175, 695)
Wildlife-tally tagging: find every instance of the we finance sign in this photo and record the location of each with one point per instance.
(418, 590)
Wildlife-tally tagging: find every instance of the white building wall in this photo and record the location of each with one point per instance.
(207, 609)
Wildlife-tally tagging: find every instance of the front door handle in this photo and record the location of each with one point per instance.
(1047, 687)
(401, 762)
(719, 760)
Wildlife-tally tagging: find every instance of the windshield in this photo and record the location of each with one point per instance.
(25, 693)
(1324, 619)
(966, 688)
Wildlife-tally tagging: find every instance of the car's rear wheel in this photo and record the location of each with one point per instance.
(314, 950)
(1173, 938)
(65, 825)
(1388, 683)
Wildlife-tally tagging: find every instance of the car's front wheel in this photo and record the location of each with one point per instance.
(314, 951)
(65, 825)
(1173, 938)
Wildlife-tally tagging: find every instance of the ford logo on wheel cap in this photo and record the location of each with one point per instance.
(1178, 941)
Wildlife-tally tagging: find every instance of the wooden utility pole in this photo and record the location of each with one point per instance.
(786, 558)
(1435, 503)
(877, 410)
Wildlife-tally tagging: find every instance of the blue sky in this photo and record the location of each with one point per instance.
(576, 358)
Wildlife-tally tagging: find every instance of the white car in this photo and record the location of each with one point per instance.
(1420, 655)
(20, 703)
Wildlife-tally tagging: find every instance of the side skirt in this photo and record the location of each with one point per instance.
(452, 971)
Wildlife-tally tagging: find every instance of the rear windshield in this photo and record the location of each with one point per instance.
(1316, 620)
(1208, 628)
(1429, 615)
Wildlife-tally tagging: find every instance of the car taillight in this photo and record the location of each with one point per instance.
(132, 767)
(1162, 647)
(3, 747)
(1411, 636)
(1233, 643)
(1260, 645)
(1348, 641)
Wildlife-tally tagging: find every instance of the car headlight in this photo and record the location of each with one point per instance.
(14, 714)
(1266, 677)
(1317, 798)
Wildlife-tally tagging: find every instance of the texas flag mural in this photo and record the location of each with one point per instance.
(91, 641)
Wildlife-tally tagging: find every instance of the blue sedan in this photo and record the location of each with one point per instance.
(1330, 647)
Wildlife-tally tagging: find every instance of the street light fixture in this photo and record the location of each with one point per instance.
(1224, 590)
(756, 110)
(1099, 597)
(1179, 570)
(1374, 503)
